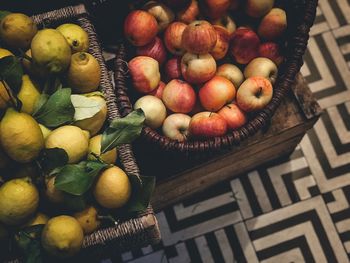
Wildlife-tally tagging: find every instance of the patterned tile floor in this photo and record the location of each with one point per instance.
(293, 210)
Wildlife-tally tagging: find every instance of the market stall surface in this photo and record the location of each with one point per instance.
(295, 209)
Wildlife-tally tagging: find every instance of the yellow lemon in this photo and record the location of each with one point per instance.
(52, 193)
(72, 139)
(62, 236)
(38, 219)
(51, 50)
(84, 73)
(5, 100)
(17, 30)
(88, 220)
(109, 157)
(95, 123)
(113, 188)
(46, 131)
(20, 136)
(76, 37)
(5, 53)
(28, 95)
(19, 200)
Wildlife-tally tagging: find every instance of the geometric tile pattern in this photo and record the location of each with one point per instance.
(295, 209)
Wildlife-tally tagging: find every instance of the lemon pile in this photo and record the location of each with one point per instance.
(26, 188)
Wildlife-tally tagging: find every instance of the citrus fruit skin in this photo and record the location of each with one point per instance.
(32, 68)
(46, 131)
(38, 219)
(76, 37)
(51, 50)
(70, 138)
(5, 53)
(95, 123)
(4, 97)
(88, 220)
(17, 30)
(113, 188)
(19, 200)
(52, 193)
(62, 236)
(84, 73)
(20, 136)
(109, 157)
(28, 95)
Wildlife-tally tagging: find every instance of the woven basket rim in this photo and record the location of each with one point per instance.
(290, 68)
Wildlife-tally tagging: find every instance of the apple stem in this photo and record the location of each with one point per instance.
(259, 93)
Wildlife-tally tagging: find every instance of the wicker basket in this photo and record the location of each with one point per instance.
(142, 230)
(301, 15)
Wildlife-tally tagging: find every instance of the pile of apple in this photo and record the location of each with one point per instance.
(202, 72)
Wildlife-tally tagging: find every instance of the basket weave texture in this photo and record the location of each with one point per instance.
(301, 16)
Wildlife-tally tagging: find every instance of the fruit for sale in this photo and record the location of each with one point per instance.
(19, 200)
(154, 110)
(158, 92)
(232, 73)
(84, 73)
(161, 12)
(244, 45)
(227, 23)
(155, 49)
(176, 127)
(38, 219)
(140, 27)
(173, 38)
(189, 14)
(215, 9)
(88, 220)
(172, 69)
(197, 69)
(273, 25)
(144, 73)
(199, 37)
(95, 123)
(20, 136)
(53, 194)
(179, 96)
(77, 38)
(233, 115)
(28, 95)
(258, 8)
(254, 94)
(5, 100)
(271, 50)
(177, 4)
(45, 131)
(5, 53)
(112, 189)
(62, 236)
(70, 138)
(51, 51)
(207, 125)
(263, 67)
(216, 93)
(17, 30)
(222, 44)
(109, 157)
(32, 68)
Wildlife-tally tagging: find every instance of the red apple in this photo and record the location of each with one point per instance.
(233, 115)
(197, 69)
(144, 73)
(273, 25)
(176, 126)
(222, 44)
(179, 96)
(227, 23)
(173, 38)
(177, 4)
(262, 67)
(189, 14)
(161, 13)
(244, 45)
(232, 73)
(199, 37)
(271, 50)
(172, 69)
(154, 49)
(215, 9)
(140, 27)
(254, 94)
(216, 93)
(258, 8)
(158, 92)
(207, 125)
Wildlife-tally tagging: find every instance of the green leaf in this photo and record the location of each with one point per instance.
(53, 158)
(57, 110)
(74, 202)
(122, 131)
(85, 107)
(141, 192)
(3, 13)
(76, 179)
(11, 72)
(28, 240)
(40, 102)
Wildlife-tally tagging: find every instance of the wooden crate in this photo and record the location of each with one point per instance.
(180, 177)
